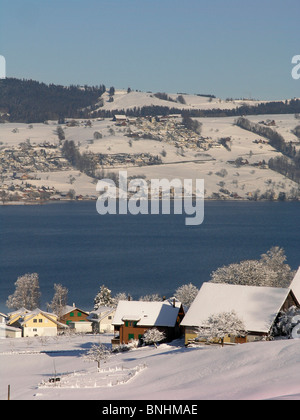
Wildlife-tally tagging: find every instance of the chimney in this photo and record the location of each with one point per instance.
(128, 298)
(174, 301)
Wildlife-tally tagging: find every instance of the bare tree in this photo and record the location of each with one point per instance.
(59, 300)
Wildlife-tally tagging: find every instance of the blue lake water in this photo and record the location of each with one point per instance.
(71, 244)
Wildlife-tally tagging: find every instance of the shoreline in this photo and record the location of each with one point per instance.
(46, 202)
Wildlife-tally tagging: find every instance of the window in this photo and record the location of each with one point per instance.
(35, 320)
(40, 320)
(78, 313)
(71, 313)
(130, 336)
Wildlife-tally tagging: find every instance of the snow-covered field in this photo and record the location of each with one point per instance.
(252, 371)
(124, 100)
(189, 164)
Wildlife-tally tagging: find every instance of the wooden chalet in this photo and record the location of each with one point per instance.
(257, 307)
(72, 314)
(133, 318)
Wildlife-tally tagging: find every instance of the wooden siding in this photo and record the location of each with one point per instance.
(74, 316)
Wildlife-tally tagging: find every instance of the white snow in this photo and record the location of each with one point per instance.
(256, 306)
(295, 285)
(261, 370)
(191, 164)
(123, 101)
(147, 313)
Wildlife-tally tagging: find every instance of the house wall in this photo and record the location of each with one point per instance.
(39, 325)
(130, 332)
(74, 316)
(39, 321)
(81, 326)
(106, 324)
(190, 334)
(39, 331)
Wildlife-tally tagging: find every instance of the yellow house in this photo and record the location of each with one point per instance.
(35, 323)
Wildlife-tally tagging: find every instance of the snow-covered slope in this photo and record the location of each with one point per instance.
(123, 101)
(216, 164)
(262, 370)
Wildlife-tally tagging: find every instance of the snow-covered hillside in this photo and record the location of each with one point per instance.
(124, 101)
(239, 170)
(253, 371)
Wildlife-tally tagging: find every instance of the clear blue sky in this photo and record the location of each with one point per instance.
(233, 48)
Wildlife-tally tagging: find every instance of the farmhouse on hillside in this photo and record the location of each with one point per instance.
(257, 307)
(133, 318)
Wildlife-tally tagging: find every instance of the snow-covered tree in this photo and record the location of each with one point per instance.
(27, 293)
(153, 336)
(275, 260)
(270, 271)
(120, 296)
(59, 300)
(217, 326)
(151, 298)
(103, 298)
(97, 353)
(186, 294)
(286, 322)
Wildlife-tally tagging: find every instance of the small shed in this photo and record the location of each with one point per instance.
(7, 331)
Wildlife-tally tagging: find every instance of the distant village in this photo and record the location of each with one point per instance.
(21, 164)
(24, 165)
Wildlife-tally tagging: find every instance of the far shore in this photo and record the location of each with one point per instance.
(40, 203)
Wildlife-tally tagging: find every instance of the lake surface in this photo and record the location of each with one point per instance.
(71, 244)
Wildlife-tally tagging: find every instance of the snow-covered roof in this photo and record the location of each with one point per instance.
(256, 306)
(159, 314)
(99, 314)
(295, 285)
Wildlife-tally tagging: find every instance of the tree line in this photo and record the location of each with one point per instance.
(278, 107)
(271, 270)
(30, 101)
(288, 164)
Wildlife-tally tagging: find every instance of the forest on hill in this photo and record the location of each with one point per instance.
(29, 101)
